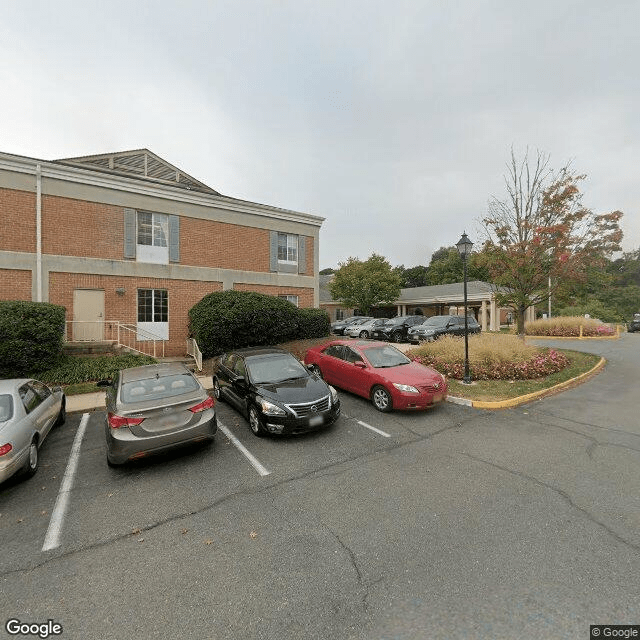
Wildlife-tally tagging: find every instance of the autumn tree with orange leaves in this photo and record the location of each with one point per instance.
(541, 230)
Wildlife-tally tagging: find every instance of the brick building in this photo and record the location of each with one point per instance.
(128, 240)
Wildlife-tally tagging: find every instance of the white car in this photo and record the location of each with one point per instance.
(364, 329)
(28, 410)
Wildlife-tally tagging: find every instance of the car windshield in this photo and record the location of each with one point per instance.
(272, 368)
(157, 388)
(385, 356)
(436, 321)
(6, 407)
(393, 321)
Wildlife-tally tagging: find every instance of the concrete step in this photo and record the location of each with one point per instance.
(95, 348)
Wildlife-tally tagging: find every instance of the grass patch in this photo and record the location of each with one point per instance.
(568, 326)
(495, 390)
(83, 387)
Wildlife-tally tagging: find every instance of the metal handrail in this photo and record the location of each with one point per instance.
(194, 351)
(123, 334)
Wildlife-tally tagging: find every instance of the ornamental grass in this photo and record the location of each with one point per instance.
(491, 357)
(568, 327)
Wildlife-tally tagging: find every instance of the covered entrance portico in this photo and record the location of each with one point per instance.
(447, 299)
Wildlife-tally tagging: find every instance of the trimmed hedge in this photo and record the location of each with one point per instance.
(313, 323)
(226, 320)
(31, 336)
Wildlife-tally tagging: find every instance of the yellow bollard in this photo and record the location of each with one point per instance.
(581, 331)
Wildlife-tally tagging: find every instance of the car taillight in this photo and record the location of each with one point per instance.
(5, 448)
(115, 422)
(209, 403)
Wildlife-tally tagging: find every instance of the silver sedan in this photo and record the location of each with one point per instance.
(154, 408)
(28, 411)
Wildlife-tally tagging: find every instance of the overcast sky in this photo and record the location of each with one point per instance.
(392, 120)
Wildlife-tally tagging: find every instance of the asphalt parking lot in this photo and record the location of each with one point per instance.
(455, 522)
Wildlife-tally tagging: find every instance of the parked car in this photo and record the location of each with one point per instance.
(435, 326)
(378, 371)
(396, 329)
(155, 408)
(634, 325)
(363, 329)
(274, 391)
(338, 327)
(28, 411)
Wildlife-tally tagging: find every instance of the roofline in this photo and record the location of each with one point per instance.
(71, 173)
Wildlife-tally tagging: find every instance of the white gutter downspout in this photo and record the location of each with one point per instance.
(38, 233)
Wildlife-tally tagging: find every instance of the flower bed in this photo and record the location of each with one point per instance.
(568, 327)
(491, 357)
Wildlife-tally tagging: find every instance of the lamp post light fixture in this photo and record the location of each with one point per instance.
(464, 246)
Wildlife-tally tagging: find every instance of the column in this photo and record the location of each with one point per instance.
(495, 317)
(483, 315)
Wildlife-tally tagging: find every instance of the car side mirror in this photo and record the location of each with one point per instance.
(360, 364)
(241, 380)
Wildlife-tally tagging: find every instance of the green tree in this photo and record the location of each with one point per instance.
(326, 272)
(446, 267)
(541, 230)
(363, 285)
(413, 276)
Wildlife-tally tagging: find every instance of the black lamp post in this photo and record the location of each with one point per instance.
(464, 246)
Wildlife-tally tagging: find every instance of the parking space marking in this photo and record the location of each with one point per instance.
(52, 538)
(262, 470)
(368, 426)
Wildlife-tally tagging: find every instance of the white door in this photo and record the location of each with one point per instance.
(88, 315)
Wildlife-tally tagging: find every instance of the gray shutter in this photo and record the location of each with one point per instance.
(129, 233)
(174, 238)
(302, 254)
(273, 251)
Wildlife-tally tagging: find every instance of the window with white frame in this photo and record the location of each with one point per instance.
(287, 248)
(152, 237)
(153, 314)
(290, 298)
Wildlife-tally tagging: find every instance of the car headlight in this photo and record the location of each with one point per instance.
(270, 409)
(334, 395)
(405, 387)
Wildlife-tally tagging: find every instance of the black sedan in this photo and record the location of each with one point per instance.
(274, 391)
(435, 326)
(634, 325)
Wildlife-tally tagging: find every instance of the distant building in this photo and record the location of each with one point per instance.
(442, 299)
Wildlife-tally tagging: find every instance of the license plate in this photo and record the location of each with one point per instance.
(314, 421)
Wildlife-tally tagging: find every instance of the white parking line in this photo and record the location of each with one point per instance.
(52, 539)
(368, 426)
(263, 471)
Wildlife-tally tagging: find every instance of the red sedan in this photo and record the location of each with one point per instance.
(378, 371)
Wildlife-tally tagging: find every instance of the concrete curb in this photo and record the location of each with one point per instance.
(514, 402)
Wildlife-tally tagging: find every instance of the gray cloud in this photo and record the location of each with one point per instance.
(392, 120)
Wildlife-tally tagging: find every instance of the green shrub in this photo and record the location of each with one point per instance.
(78, 369)
(31, 336)
(227, 320)
(313, 323)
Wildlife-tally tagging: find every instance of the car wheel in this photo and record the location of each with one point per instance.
(31, 465)
(255, 423)
(316, 369)
(62, 416)
(364, 335)
(396, 336)
(381, 399)
(216, 389)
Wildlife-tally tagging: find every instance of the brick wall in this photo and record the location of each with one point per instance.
(305, 296)
(15, 284)
(81, 228)
(18, 221)
(183, 294)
